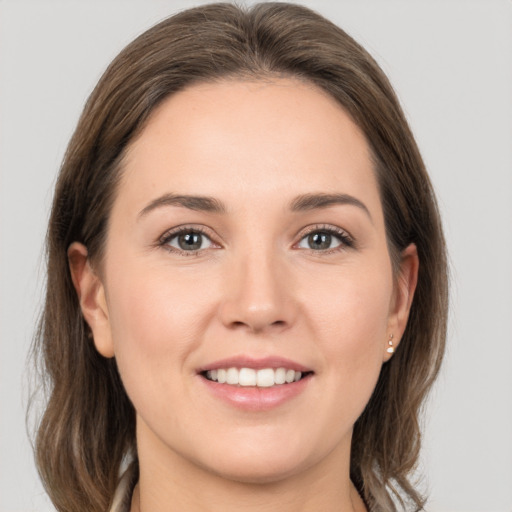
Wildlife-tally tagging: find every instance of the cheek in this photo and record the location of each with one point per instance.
(353, 305)
(152, 310)
(155, 326)
(352, 321)
(154, 323)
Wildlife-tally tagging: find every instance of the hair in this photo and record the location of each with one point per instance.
(88, 426)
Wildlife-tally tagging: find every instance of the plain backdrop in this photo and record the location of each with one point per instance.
(451, 64)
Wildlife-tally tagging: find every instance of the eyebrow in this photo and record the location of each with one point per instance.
(199, 203)
(304, 202)
(321, 200)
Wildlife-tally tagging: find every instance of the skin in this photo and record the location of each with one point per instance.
(257, 288)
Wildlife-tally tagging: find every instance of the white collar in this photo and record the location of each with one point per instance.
(123, 495)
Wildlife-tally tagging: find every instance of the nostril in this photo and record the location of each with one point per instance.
(256, 327)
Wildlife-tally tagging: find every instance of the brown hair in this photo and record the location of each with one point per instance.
(89, 423)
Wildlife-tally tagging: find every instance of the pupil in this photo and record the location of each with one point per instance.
(190, 241)
(320, 240)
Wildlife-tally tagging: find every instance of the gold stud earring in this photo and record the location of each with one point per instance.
(390, 349)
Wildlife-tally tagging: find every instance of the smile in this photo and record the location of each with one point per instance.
(255, 384)
(261, 378)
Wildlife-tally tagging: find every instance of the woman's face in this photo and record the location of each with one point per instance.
(247, 234)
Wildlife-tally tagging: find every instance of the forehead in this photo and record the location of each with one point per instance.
(238, 137)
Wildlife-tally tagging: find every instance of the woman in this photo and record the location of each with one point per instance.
(246, 277)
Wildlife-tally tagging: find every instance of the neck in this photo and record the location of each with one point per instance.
(259, 503)
(169, 482)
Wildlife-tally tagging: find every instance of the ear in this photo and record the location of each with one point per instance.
(91, 296)
(403, 295)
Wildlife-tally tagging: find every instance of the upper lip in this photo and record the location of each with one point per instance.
(255, 363)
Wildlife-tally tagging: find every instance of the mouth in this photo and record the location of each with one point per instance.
(256, 384)
(251, 377)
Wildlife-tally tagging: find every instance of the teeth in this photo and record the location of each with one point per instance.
(232, 376)
(264, 378)
(221, 376)
(247, 377)
(280, 376)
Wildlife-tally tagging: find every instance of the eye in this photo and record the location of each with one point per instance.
(325, 239)
(319, 241)
(187, 240)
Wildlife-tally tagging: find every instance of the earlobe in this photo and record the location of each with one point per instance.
(405, 287)
(91, 296)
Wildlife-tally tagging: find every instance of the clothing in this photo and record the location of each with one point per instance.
(123, 496)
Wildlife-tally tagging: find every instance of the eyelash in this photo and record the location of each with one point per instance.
(166, 238)
(347, 241)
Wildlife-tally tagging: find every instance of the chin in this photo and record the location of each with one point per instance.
(257, 472)
(259, 462)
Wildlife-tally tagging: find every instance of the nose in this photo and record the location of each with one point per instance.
(258, 296)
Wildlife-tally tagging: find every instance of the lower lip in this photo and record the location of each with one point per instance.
(254, 398)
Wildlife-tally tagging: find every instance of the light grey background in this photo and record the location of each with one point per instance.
(451, 63)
